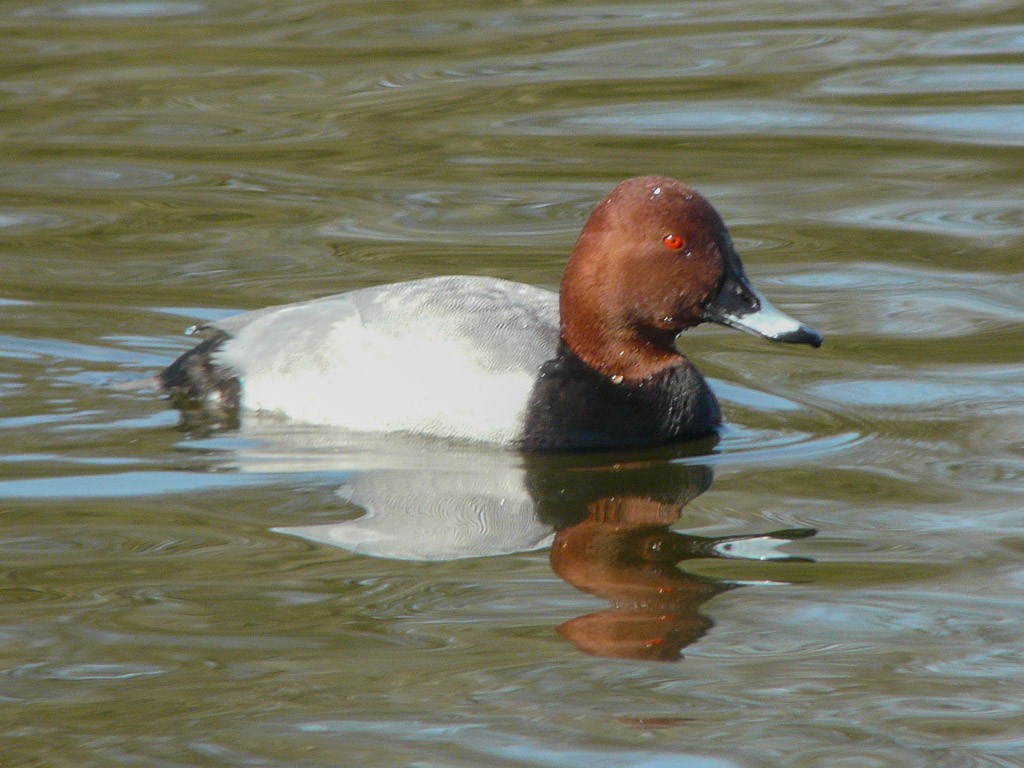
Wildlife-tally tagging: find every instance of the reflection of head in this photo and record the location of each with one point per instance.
(635, 633)
(624, 551)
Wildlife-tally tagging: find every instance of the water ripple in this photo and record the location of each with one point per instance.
(11, 220)
(65, 542)
(934, 390)
(125, 484)
(142, 9)
(884, 300)
(511, 214)
(88, 671)
(905, 80)
(976, 41)
(999, 125)
(678, 57)
(487, 746)
(759, 446)
(956, 217)
(87, 176)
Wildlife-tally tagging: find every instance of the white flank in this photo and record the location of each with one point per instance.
(318, 363)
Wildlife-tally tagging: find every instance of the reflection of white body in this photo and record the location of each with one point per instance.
(435, 515)
(423, 499)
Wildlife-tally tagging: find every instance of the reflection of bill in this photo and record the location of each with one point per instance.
(609, 524)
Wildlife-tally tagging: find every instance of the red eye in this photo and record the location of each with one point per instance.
(672, 241)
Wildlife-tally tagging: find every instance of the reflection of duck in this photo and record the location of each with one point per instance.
(610, 525)
(614, 541)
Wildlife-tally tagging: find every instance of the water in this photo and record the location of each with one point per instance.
(168, 596)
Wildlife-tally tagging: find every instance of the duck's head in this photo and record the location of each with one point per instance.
(653, 260)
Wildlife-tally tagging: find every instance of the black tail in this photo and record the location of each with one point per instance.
(194, 381)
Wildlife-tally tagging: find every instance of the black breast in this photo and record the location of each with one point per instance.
(572, 406)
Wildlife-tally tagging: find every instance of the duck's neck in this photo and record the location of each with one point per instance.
(623, 354)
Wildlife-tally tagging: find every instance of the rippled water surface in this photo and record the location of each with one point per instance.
(839, 581)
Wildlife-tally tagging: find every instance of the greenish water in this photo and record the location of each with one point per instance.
(165, 162)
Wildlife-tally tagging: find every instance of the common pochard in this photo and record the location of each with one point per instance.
(598, 365)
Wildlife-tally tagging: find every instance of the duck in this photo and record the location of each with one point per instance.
(597, 365)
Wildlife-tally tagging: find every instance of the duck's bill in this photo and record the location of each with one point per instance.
(739, 306)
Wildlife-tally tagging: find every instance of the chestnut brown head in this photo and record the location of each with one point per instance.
(654, 259)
